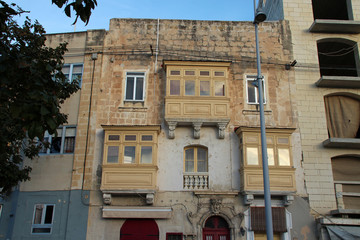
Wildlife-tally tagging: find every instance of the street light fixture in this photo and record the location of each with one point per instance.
(259, 17)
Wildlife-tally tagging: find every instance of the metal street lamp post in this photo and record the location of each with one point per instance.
(260, 16)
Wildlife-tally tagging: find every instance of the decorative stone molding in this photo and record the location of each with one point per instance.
(288, 200)
(196, 124)
(197, 127)
(150, 198)
(221, 127)
(215, 205)
(172, 126)
(248, 199)
(107, 198)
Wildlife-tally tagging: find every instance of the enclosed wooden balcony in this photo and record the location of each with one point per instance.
(197, 95)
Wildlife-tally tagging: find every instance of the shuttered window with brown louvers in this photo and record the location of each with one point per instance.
(258, 220)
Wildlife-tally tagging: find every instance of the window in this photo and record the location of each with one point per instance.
(332, 9)
(191, 80)
(43, 218)
(343, 116)
(252, 91)
(195, 159)
(346, 174)
(63, 142)
(130, 147)
(278, 149)
(338, 57)
(73, 71)
(174, 236)
(135, 82)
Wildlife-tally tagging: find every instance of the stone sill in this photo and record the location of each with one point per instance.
(338, 82)
(348, 143)
(338, 221)
(335, 26)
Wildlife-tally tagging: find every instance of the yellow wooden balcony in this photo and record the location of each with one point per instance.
(281, 179)
(116, 178)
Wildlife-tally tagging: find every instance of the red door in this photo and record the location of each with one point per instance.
(216, 228)
(139, 229)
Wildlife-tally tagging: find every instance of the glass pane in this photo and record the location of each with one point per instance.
(175, 72)
(69, 144)
(219, 88)
(202, 160)
(45, 148)
(190, 87)
(251, 92)
(146, 154)
(49, 214)
(252, 156)
(129, 88)
(66, 69)
(204, 88)
(284, 157)
(219, 74)
(135, 74)
(56, 143)
(129, 154)
(204, 73)
(130, 137)
(38, 213)
(114, 137)
(113, 154)
(270, 153)
(283, 140)
(189, 73)
(77, 69)
(189, 160)
(146, 138)
(139, 88)
(70, 132)
(174, 87)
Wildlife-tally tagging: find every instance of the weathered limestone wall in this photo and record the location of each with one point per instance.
(130, 45)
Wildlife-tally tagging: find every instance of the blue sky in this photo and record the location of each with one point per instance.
(54, 19)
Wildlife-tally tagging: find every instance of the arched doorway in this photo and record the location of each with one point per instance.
(139, 229)
(216, 228)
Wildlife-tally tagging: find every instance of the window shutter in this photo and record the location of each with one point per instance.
(258, 220)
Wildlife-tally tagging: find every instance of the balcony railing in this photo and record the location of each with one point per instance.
(196, 181)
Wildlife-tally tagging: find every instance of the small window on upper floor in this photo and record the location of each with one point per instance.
(343, 116)
(332, 9)
(195, 159)
(135, 86)
(73, 71)
(43, 219)
(252, 91)
(338, 57)
(61, 143)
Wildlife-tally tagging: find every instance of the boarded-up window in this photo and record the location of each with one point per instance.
(258, 220)
(343, 116)
(346, 171)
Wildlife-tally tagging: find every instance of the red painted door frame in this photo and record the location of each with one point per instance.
(139, 229)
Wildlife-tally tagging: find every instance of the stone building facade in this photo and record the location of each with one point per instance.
(167, 138)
